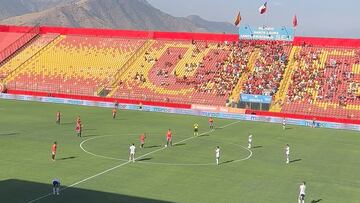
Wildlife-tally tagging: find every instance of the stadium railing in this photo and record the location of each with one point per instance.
(21, 41)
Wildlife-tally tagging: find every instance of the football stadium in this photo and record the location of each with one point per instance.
(119, 115)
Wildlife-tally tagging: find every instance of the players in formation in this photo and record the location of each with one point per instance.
(168, 138)
(53, 150)
(211, 123)
(250, 139)
(58, 117)
(132, 153)
(114, 112)
(302, 189)
(196, 129)
(217, 155)
(56, 186)
(79, 126)
(287, 153)
(132, 148)
(142, 140)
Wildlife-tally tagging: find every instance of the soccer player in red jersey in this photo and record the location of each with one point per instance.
(53, 151)
(78, 129)
(211, 123)
(168, 138)
(58, 117)
(142, 140)
(114, 111)
(78, 120)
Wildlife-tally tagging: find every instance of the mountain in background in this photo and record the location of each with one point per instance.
(115, 14)
(10, 8)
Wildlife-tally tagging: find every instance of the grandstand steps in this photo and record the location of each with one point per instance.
(188, 58)
(356, 68)
(280, 96)
(19, 50)
(235, 95)
(156, 88)
(32, 57)
(110, 89)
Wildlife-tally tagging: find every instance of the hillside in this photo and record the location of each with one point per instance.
(116, 14)
(11, 8)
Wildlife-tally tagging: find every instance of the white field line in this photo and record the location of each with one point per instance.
(128, 162)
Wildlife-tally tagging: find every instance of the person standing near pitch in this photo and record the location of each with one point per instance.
(53, 150)
(168, 138)
(114, 111)
(132, 153)
(142, 140)
(196, 129)
(58, 117)
(78, 128)
(284, 124)
(302, 189)
(287, 153)
(56, 186)
(250, 141)
(217, 155)
(211, 123)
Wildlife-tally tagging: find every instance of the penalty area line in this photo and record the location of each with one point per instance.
(126, 163)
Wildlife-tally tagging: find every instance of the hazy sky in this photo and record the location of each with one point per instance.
(316, 17)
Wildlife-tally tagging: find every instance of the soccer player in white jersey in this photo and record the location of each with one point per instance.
(302, 189)
(287, 153)
(56, 186)
(250, 141)
(284, 124)
(132, 153)
(217, 155)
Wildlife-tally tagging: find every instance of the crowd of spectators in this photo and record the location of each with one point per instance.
(269, 68)
(227, 70)
(334, 82)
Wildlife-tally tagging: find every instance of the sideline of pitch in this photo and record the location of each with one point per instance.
(123, 164)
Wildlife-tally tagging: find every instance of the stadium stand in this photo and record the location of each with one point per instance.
(75, 64)
(309, 76)
(11, 41)
(325, 83)
(185, 72)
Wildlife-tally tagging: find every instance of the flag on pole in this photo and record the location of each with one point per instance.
(295, 22)
(237, 19)
(262, 8)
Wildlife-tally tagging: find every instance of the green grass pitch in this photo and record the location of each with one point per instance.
(328, 160)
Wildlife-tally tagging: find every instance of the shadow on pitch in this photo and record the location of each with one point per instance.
(316, 201)
(68, 123)
(295, 160)
(144, 159)
(89, 129)
(180, 144)
(66, 158)
(256, 147)
(12, 133)
(90, 135)
(152, 146)
(227, 162)
(33, 190)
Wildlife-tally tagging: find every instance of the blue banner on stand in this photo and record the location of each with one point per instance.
(255, 98)
(266, 33)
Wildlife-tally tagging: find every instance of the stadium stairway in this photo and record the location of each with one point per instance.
(244, 77)
(156, 49)
(28, 55)
(111, 87)
(188, 58)
(286, 81)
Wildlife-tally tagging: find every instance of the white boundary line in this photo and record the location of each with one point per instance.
(123, 164)
(160, 163)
